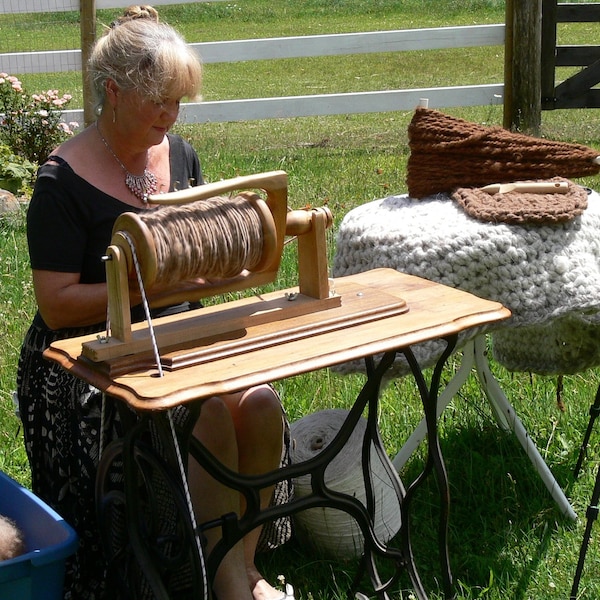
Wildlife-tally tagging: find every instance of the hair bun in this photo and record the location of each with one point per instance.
(137, 11)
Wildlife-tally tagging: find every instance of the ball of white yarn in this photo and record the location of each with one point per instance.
(331, 531)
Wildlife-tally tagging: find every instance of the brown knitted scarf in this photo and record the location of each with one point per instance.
(449, 153)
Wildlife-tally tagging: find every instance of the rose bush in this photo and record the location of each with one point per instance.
(31, 124)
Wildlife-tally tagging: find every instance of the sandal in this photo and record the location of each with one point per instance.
(286, 589)
(288, 593)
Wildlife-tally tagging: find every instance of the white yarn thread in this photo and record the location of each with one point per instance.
(189, 503)
(331, 531)
(144, 302)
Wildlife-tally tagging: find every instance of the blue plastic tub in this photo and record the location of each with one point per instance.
(39, 573)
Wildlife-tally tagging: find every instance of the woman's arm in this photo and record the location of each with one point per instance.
(65, 302)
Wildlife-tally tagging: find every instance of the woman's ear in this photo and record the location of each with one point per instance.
(112, 91)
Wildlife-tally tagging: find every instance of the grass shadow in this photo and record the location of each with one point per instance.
(502, 521)
(502, 517)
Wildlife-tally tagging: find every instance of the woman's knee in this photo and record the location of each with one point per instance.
(215, 424)
(261, 405)
(214, 409)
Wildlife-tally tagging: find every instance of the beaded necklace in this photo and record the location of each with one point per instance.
(141, 186)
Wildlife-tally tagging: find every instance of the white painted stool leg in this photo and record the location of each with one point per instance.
(508, 419)
(474, 353)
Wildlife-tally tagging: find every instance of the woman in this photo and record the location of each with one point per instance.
(141, 69)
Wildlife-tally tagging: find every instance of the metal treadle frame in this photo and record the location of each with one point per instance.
(146, 455)
(138, 483)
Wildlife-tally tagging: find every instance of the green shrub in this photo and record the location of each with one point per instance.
(30, 124)
(16, 173)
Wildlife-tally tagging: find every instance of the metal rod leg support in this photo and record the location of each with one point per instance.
(503, 408)
(474, 353)
(451, 389)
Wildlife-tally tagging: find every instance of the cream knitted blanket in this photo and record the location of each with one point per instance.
(548, 276)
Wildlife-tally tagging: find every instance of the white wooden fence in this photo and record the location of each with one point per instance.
(298, 47)
(32, 6)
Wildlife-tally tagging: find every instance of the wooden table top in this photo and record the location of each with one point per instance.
(380, 310)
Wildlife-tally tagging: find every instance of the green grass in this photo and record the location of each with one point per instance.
(200, 22)
(507, 538)
(247, 19)
(16, 310)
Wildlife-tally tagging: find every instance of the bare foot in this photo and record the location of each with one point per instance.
(263, 590)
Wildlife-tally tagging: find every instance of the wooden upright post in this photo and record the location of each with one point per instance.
(508, 64)
(88, 37)
(524, 110)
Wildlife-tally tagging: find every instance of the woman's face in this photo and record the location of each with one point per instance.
(145, 122)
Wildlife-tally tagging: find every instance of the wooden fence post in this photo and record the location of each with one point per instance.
(524, 112)
(508, 65)
(88, 37)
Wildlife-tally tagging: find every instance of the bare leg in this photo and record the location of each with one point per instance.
(258, 422)
(212, 499)
(245, 432)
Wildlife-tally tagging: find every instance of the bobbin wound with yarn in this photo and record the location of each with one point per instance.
(185, 247)
(330, 531)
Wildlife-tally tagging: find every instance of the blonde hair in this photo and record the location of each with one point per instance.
(140, 53)
(137, 11)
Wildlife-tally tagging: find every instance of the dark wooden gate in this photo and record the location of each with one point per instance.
(578, 91)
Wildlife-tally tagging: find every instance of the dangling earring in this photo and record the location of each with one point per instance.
(114, 115)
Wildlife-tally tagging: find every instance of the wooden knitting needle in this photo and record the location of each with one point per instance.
(528, 187)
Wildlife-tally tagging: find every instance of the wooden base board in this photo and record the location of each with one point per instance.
(212, 333)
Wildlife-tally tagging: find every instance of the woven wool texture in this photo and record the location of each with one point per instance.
(334, 532)
(448, 153)
(519, 207)
(548, 276)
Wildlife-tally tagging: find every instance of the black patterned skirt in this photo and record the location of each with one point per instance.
(62, 420)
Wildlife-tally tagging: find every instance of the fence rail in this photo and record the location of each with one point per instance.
(339, 104)
(298, 47)
(33, 6)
